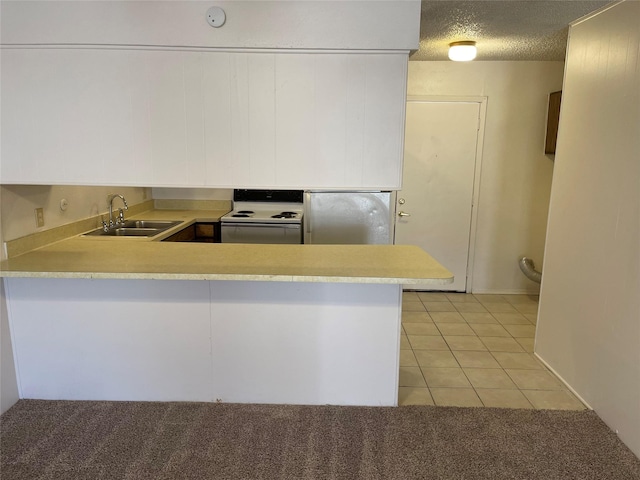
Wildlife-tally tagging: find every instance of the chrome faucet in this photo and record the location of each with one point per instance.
(120, 218)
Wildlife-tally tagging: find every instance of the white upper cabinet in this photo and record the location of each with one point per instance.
(340, 120)
(101, 117)
(220, 119)
(303, 94)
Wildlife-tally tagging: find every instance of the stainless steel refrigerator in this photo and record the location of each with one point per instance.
(332, 217)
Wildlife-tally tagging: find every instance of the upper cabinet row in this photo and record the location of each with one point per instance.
(153, 117)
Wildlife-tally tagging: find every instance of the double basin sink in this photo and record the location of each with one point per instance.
(136, 228)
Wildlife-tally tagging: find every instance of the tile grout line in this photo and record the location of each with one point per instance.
(488, 350)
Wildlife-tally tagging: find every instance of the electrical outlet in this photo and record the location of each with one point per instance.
(39, 217)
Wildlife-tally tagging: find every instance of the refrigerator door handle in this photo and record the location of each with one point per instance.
(306, 218)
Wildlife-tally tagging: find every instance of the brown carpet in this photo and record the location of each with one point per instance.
(135, 440)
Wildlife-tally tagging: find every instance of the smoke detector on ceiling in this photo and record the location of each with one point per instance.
(216, 17)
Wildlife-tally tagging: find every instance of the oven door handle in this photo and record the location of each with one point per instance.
(291, 226)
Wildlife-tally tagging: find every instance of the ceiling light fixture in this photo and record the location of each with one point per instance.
(462, 51)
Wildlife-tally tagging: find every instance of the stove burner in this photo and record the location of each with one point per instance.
(243, 215)
(284, 215)
(246, 212)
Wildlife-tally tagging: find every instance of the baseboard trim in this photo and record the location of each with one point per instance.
(516, 291)
(578, 396)
(407, 288)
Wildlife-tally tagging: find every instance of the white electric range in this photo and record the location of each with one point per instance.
(264, 216)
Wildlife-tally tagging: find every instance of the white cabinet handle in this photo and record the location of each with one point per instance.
(404, 214)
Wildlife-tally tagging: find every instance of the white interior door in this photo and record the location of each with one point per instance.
(434, 208)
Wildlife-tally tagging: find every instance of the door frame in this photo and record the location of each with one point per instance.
(482, 101)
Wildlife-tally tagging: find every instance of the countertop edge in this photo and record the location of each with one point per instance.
(224, 277)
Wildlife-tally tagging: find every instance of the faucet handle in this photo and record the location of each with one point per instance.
(105, 225)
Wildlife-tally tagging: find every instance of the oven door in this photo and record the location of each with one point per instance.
(290, 233)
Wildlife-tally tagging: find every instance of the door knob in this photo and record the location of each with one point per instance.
(404, 214)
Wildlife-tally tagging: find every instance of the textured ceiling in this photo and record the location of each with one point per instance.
(503, 29)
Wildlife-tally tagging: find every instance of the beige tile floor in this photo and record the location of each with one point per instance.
(475, 350)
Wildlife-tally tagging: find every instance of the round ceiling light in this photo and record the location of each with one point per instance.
(462, 51)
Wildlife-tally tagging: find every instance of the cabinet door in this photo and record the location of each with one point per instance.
(340, 120)
(175, 115)
(185, 235)
(239, 133)
(220, 119)
(385, 81)
(67, 116)
(102, 117)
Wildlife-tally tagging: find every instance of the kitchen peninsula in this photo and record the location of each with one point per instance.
(131, 319)
(125, 319)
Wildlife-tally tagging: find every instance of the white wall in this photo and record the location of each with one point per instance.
(516, 174)
(19, 201)
(192, 193)
(589, 316)
(326, 24)
(8, 382)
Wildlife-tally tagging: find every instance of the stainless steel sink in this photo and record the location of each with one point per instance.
(161, 224)
(136, 228)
